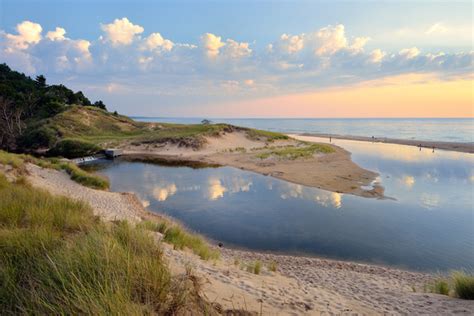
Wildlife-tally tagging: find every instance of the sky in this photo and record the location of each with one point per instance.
(250, 58)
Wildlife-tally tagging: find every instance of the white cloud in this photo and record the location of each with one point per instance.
(377, 55)
(121, 31)
(409, 53)
(358, 44)
(437, 28)
(211, 44)
(330, 40)
(29, 33)
(156, 41)
(57, 34)
(291, 44)
(235, 49)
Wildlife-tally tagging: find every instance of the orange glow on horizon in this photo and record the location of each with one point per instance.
(412, 95)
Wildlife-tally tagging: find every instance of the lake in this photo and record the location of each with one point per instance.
(427, 225)
(429, 129)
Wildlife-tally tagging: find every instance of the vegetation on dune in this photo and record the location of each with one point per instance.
(35, 116)
(73, 148)
(265, 135)
(26, 104)
(295, 152)
(57, 258)
(83, 177)
(459, 284)
(180, 238)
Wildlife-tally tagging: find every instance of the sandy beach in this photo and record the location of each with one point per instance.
(299, 286)
(451, 146)
(333, 171)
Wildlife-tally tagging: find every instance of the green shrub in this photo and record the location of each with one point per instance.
(463, 285)
(73, 148)
(38, 137)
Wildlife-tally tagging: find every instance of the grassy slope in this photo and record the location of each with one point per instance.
(103, 128)
(80, 176)
(57, 258)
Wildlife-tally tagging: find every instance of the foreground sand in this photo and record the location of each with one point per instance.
(334, 172)
(451, 146)
(301, 286)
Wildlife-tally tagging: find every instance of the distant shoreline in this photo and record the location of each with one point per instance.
(451, 146)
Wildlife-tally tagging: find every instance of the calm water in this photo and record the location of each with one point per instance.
(449, 130)
(429, 225)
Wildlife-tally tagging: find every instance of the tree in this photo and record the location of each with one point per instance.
(206, 122)
(100, 104)
(41, 81)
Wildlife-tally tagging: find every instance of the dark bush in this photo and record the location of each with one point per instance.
(38, 137)
(73, 148)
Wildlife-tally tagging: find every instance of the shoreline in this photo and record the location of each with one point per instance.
(301, 284)
(331, 171)
(449, 146)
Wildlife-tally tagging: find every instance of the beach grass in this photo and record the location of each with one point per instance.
(458, 284)
(295, 152)
(266, 135)
(180, 238)
(463, 285)
(18, 161)
(85, 178)
(57, 258)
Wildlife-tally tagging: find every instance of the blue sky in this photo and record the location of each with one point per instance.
(210, 52)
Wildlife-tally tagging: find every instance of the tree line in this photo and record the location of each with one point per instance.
(25, 101)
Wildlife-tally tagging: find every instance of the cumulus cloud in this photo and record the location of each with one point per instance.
(330, 40)
(57, 34)
(29, 33)
(377, 55)
(291, 43)
(211, 44)
(121, 31)
(235, 49)
(155, 41)
(215, 65)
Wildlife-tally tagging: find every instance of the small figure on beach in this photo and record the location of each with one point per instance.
(330, 138)
(433, 148)
(419, 145)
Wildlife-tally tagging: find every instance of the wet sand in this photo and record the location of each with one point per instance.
(451, 146)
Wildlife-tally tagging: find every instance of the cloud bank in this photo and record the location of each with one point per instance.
(214, 66)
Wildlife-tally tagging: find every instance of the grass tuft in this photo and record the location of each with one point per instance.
(463, 285)
(85, 178)
(296, 152)
(180, 238)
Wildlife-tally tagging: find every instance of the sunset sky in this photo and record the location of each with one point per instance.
(250, 58)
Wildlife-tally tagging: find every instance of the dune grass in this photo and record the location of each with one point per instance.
(83, 177)
(459, 284)
(463, 285)
(56, 258)
(267, 135)
(180, 238)
(296, 152)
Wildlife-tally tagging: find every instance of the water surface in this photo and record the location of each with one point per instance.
(438, 129)
(428, 226)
